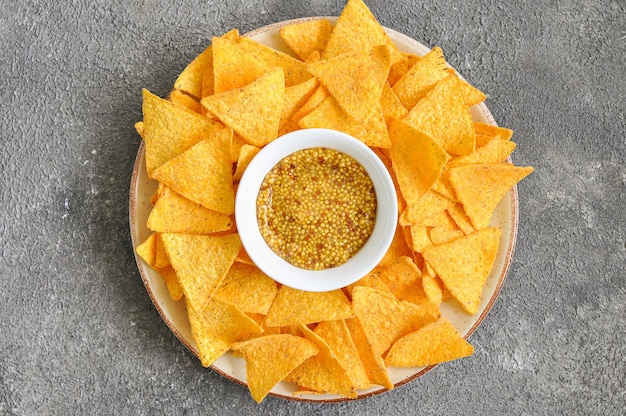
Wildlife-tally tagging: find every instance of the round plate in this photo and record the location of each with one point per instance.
(175, 315)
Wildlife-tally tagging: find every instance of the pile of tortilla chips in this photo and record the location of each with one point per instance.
(450, 172)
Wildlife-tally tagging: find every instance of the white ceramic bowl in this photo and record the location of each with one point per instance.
(279, 269)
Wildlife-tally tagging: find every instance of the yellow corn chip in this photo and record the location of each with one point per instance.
(173, 213)
(495, 151)
(295, 98)
(404, 280)
(207, 86)
(248, 288)
(338, 338)
(307, 37)
(442, 235)
(254, 110)
(391, 106)
(385, 319)
(232, 67)
(357, 30)
(417, 161)
(401, 67)
(139, 128)
(471, 95)
(397, 249)
(218, 326)
(293, 307)
(419, 237)
(443, 115)
(294, 70)
(433, 344)
(373, 363)
(246, 155)
(461, 219)
(201, 263)
(432, 203)
(269, 359)
(180, 98)
(203, 174)
(433, 287)
(169, 130)
(147, 250)
(355, 80)
(421, 78)
(464, 265)
(373, 132)
(190, 80)
(171, 281)
(322, 372)
(160, 259)
(480, 187)
(315, 100)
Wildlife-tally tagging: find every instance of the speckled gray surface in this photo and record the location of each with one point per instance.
(78, 332)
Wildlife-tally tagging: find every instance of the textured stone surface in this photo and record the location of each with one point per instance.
(78, 332)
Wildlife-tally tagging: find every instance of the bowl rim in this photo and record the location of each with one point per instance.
(278, 268)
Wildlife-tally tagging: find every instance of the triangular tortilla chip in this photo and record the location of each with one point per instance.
(417, 160)
(481, 187)
(147, 250)
(443, 115)
(306, 37)
(203, 174)
(397, 249)
(293, 124)
(248, 288)
(269, 359)
(171, 281)
(201, 263)
(254, 110)
(208, 77)
(173, 213)
(169, 129)
(328, 114)
(355, 80)
(373, 363)
(464, 265)
(294, 70)
(340, 341)
(246, 154)
(433, 287)
(457, 213)
(385, 319)
(187, 101)
(432, 203)
(487, 132)
(391, 105)
(218, 326)
(232, 67)
(433, 344)
(421, 78)
(404, 280)
(190, 80)
(401, 67)
(322, 372)
(293, 307)
(357, 30)
(495, 151)
(295, 98)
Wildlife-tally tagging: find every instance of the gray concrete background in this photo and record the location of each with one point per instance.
(78, 333)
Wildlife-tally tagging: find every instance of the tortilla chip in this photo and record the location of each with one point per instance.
(173, 213)
(443, 186)
(293, 307)
(139, 128)
(171, 281)
(182, 99)
(420, 238)
(391, 106)
(232, 67)
(397, 249)
(201, 263)
(471, 95)
(373, 363)
(147, 250)
(246, 155)
(432, 285)
(432, 203)
(338, 338)
(495, 151)
(329, 115)
(315, 100)
(306, 37)
(161, 260)
(294, 70)
(295, 98)
(253, 111)
(417, 161)
(442, 235)
(385, 319)
(169, 130)
(433, 344)
(322, 372)
(487, 132)
(464, 265)
(269, 359)
(218, 326)
(248, 288)
(443, 115)
(481, 187)
(457, 213)
(404, 280)
(421, 78)
(207, 82)
(357, 30)
(203, 174)
(355, 80)
(401, 67)
(190, 80)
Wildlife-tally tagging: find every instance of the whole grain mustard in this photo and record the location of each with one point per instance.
(316, 208)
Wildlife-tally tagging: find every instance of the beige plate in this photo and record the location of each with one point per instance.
(174, 313)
